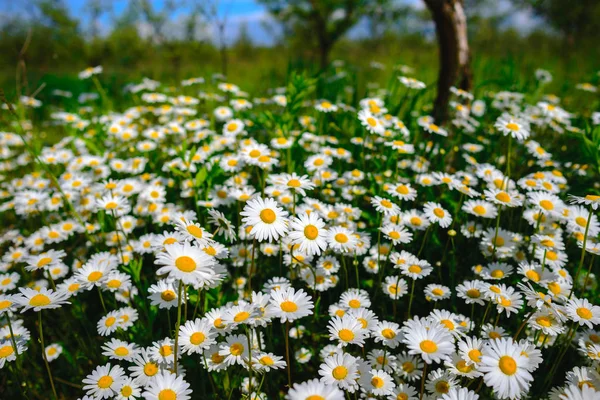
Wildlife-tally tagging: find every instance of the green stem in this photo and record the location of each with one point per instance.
(175, 350)
(44, 354)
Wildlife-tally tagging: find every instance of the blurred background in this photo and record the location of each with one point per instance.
(256, 42)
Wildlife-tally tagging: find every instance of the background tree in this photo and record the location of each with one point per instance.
(575, 20)
(323, 22)
(454, 54)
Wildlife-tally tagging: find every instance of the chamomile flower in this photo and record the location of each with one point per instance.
(340, 370)
(289, 304)
(346, 330)
(166, 385)
(506, 369)
(187, 263)
(434, 344)
(267, 219)
(31, 299)
(314, 389)
(308, 231)
(104, 381)
(583, 312)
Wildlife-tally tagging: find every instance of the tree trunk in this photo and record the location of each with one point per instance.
(454, 55)
(324, 50)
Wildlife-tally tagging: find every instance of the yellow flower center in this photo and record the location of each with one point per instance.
(442, 387)
(197, 338)
(39, 300)
(185, 264)
(268, 216)
(402, 189)
(507, 365)
(168, 295)
(497, 273)
(415, 269)
(584, 313)
(194, 231)
(241, 316)
(439, 212)
(122, 351)
(533, 275)
(428, 346)
(6, 351)
(340, 372)
(473, 293)
(311, 232)
(167, 394)
(105, 382)
(126, 391)
(150, 369)
(266, 360)
(388, 333)
(503, 197)
(346, 335)
(94, 276)
(543, 321)
(478, 209)
(377, 382)
(512, 126)
(165, 350)
(475, 355)
(236, 349)
(354, 303)
(341, 238)
(289, 306)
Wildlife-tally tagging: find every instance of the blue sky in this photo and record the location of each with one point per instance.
(248, 12)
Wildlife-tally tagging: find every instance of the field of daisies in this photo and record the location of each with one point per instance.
(201, 242)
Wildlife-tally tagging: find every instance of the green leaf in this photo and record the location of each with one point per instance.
(201, 176)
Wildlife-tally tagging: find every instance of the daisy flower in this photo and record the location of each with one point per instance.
(403, 191)
(387, 333)
(506, 369)
(119, 350)
(267, 362)
(508, 125)
(234, 349)
(167, 386)
(104, 381)
(590, 200)
(503, 198)
(308, 231)
(372, 123)
(289, 304)
(187, 263)
(385, 206)
(378, 382)
(144, 368)
(346, 330)
(434, 344)
(128, 390)
(163, 294)
(480, 208)
(341, 240)
(397, 233)
(416, 269)
(583, 312)
(435, 213)
(53, 351)
(196, 336)
(314, 389)
(340, 370)
(267, 219)
(31, 299)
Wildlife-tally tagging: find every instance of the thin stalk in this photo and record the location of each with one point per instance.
(179, 290)
(44, 354)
